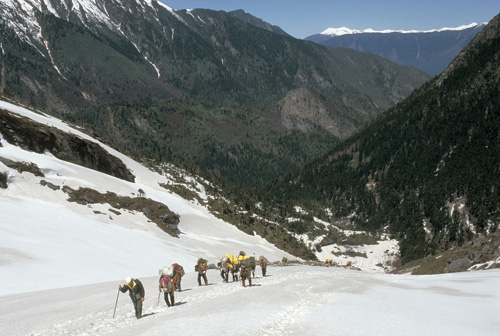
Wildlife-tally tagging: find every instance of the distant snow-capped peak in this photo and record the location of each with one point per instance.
(348, 31)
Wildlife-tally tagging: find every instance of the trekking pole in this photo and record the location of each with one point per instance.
(116, 303)
(158, 303)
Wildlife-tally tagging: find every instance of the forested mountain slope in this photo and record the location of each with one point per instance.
(427, 169)
(199, 88)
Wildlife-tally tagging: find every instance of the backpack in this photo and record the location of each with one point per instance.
(248, 262)
(166, 271)
(166, 283)
(202, 265)
(178, 269)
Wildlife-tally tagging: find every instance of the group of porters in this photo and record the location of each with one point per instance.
(170, 278)
(242, 264)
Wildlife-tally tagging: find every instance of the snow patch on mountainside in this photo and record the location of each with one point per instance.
(86, 11)
(172, 11)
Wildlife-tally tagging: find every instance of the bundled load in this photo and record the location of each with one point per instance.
(228, 260)
(247, 261)
(263, 264)
(178, 273)
(178, 269)
(201, 265)
(247, 264)
(168, 271)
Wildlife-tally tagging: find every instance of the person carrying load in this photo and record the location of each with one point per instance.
(166, 285)
(201, 267)
(246, 264)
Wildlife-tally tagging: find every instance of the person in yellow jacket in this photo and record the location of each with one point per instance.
(235, 269)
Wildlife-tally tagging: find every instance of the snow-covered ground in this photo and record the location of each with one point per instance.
(376, 257)
(70, 244)
(295, 300)
(61, 263)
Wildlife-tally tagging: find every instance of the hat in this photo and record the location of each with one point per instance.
(128, 280)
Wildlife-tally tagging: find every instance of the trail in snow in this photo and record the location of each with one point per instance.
(293, 300)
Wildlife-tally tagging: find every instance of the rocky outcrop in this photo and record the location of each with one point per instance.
(156, 212)
(39, 138)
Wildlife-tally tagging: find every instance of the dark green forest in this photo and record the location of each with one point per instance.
(428, 168)
(233, 145)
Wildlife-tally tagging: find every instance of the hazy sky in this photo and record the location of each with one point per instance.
(302, 18)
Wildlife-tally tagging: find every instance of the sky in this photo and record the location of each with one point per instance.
(301, 18)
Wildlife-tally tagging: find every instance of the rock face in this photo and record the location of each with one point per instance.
(156, 212)
(39, 138)
(303, 110)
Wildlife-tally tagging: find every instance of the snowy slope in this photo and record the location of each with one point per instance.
(298, 300)
(72, 244)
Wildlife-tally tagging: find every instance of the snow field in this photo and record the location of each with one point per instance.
(294, 300)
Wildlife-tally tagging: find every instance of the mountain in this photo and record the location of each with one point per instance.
(202, 89)
(76, 228)
(427, 169)
(430, 51)
(255, 21)
(54, 177)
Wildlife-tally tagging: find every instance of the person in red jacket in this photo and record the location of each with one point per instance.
(136, 292)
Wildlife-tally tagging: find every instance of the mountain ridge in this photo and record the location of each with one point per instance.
(198, 77)
(424, 169)
(430, 51)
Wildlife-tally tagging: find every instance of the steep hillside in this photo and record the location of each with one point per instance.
(199, 88)
(117, 47)
(430, 51)
(62, 197)
(427, 169)
(255, 21)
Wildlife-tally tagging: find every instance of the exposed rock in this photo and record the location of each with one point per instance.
(156, 212)
(22, 166)
(3, 181)
(458, 265)
(39, 138)
(300, 109)
(170, 221)
(50, 185)
(479, 241)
